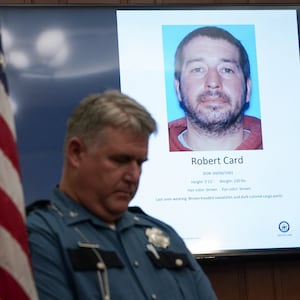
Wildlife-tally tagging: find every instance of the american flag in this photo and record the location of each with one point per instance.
(16, 280)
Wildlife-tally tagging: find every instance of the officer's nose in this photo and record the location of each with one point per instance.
(133, 172)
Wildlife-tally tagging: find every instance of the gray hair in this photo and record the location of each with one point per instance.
(110, 108)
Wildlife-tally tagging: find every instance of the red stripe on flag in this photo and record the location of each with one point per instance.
(9, 288)
(8, 144)
(12, 221)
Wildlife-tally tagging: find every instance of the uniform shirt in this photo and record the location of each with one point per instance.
(250, 124)
(63, 239)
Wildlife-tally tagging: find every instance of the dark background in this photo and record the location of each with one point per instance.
(46, 95)
(274, 277)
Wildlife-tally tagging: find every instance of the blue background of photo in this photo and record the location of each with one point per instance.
(173, 34)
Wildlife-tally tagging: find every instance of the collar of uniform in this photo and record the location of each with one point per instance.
(75, 213)
(130, 219)
(72, 211)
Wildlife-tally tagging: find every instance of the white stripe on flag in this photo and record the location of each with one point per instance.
(16, 263)
(10, 182)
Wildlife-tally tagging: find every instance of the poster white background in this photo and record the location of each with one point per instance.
(228, 199)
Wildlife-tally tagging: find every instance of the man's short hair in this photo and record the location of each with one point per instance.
(111, 108)
(212, 32)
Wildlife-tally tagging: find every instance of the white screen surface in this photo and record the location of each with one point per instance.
(221, 200)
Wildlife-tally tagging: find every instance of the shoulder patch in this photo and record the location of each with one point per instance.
(36, 205)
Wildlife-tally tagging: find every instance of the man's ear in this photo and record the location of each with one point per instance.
(177, 88)
(249, 87)
(75, 149)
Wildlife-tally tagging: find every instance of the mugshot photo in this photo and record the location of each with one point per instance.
(212, 90)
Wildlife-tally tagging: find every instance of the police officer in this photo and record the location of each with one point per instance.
(85, 242)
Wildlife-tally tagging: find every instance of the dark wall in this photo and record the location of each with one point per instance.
(270, 278)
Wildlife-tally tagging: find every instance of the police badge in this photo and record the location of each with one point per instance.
(157, 238)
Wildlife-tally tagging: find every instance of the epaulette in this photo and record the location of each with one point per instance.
(136, 210)
(36, 204)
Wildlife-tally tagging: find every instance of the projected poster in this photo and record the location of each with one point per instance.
(219, 198)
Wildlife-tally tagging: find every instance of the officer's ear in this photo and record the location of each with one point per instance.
(178, 89)
(75, 151)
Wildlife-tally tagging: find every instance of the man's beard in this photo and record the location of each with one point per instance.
(215, 122)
